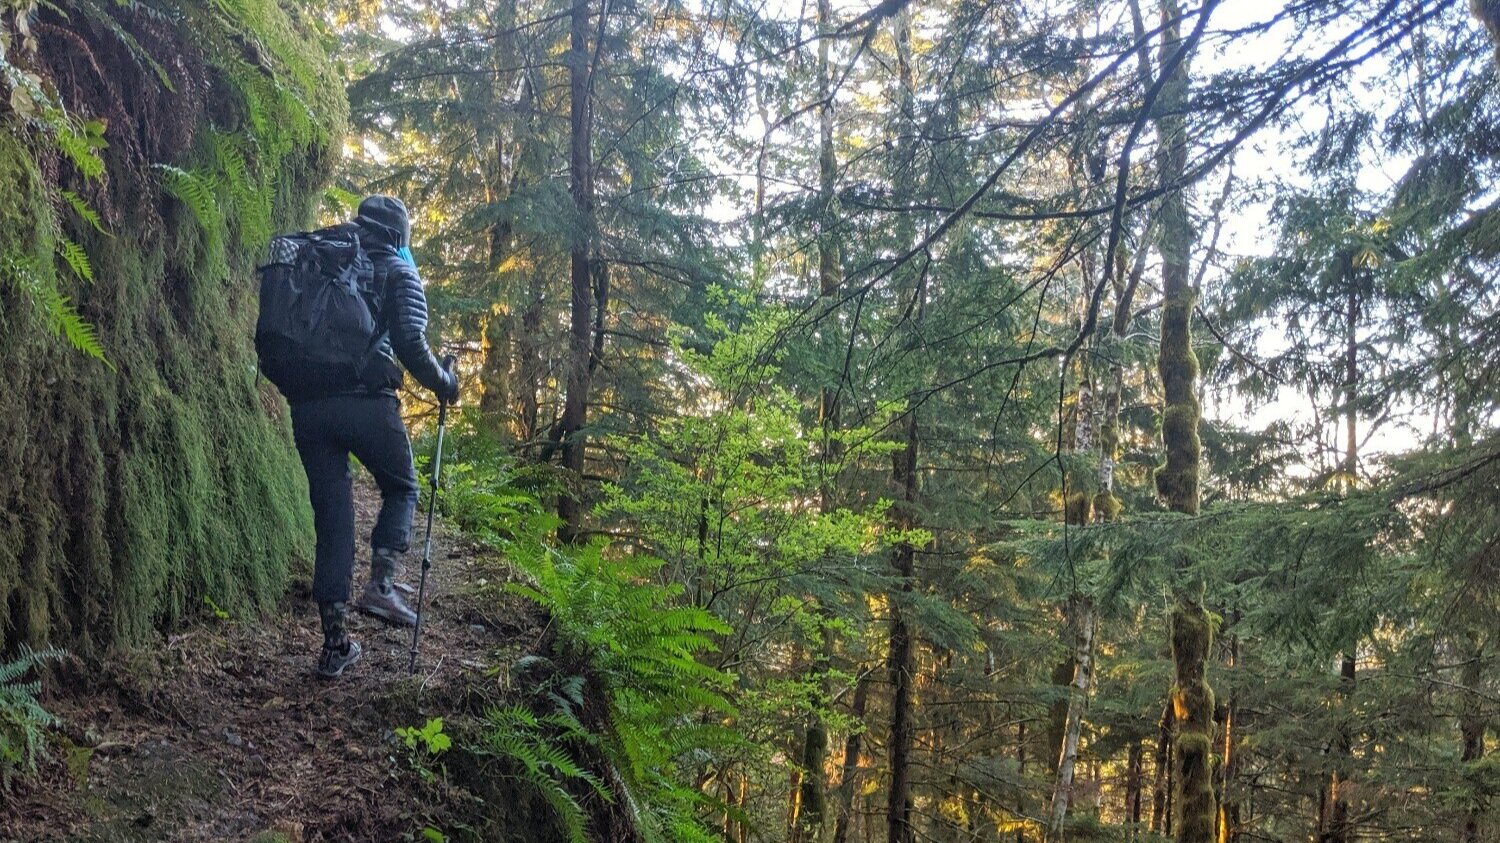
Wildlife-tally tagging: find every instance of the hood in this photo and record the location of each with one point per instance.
(385, 218)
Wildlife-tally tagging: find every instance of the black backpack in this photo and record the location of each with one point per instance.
(318, 312)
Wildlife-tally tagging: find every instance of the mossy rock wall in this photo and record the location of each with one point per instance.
(140, 492)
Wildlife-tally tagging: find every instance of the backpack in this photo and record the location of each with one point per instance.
(318, 312)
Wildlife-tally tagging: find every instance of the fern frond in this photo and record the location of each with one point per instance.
(197, 193)
(76, 258)
(52, 306)
(96, 12)
(83, 210)
(67, 323)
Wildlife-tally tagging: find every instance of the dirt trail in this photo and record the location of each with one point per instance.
(223, 732)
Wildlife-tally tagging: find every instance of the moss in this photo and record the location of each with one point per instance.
(1109, 433)
(1193, 709)
(1077, 509)
(1106, 507)
(134, 494)
(1177, 479)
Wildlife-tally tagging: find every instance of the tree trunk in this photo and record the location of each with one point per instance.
(849, 781)
(1062, 793)
(1336, 826)
(1488, 11)
(1177, 480)
(1336, 813)
(902, 649)
(813, 796)
(1162, 780)
(1229, 809)
(1134, 764)
(902, 658)
(499, 326)
(581, 187)
(1472, 723)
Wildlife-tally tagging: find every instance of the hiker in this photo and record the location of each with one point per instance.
(349, 406)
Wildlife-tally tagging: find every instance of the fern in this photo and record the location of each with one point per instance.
(197, 193)
(23, 720)
(85, 211)
(537, 749)
(76, 258)
(79, 141)
(96, 11)
(52, 306)
(250, 198)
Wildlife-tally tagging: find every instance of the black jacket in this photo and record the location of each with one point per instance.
(402, 310)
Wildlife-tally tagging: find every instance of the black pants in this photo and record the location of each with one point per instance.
(327, 431)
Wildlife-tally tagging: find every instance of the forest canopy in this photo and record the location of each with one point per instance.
(1082, 414)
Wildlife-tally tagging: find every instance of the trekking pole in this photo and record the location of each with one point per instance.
(437, 469)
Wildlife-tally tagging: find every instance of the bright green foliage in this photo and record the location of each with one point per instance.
(23, 720)
(630, 686)
(629, 635)
(431, 736)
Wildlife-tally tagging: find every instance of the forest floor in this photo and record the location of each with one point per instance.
(222, 732)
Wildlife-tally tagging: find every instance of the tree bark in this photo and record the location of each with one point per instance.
(1134, 764)
(495, 397)
(1162, 779)
(1177, 480)
(581, 188)
(1488, 12)
(1229, 809)
(901, 662)
(1472, 723)
(902, 658)
(1062, 793)
(1336, 826)
(853, 745)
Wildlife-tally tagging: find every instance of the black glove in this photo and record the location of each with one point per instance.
(449, 393)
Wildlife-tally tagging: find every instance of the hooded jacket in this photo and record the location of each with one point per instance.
(385, 229)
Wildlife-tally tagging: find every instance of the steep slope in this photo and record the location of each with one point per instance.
(161, 482)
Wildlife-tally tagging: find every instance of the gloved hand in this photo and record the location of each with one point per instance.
(449, 393)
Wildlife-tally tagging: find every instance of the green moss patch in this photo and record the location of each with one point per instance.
(137, 494)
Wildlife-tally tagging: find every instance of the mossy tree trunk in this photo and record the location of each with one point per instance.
(1195, 811)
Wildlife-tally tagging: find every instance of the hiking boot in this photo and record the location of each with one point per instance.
(339, 650)
(332, 661)
(380, 597)
(386, 605)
